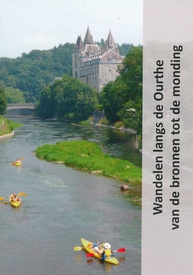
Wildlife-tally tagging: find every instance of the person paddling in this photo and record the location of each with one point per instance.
(14, 197)
(18, 160)
(97, 248)
(107, 252)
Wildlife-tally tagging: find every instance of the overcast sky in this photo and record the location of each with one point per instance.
(26, 25)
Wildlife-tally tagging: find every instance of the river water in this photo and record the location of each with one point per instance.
(63, 205)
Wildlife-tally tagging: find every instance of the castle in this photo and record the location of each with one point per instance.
(93, 65)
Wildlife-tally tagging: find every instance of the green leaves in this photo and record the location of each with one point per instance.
(32, 72)
(121, 97)
(14, 95)
(3, 102)
(68, 99)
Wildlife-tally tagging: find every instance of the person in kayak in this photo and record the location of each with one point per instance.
(18, 160)
(96, 247)
(14, 197)
(107, 252)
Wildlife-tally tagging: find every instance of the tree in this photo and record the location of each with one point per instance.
(122, 99)
(3, 102)
(14, 95)
(112, 100)
(131, 74)
(46, 105)
(32, 72)
(67, 99)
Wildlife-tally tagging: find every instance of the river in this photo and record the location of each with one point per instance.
(63, 205)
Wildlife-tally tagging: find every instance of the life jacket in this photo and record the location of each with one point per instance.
(108, 252)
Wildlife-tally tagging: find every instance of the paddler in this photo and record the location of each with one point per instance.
(14, 197)
(97, 248)
(107, 253)
(18, 160)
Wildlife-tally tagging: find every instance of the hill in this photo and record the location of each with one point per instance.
(32, 72)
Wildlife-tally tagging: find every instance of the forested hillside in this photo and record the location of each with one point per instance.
(23, 78)
(32, 72)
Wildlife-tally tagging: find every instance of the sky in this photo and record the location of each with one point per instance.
(27, 25)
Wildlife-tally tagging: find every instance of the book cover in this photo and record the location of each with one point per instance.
(167, 207)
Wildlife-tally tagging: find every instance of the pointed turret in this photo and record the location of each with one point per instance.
(79, 44)
(88, 37)
(110, 43)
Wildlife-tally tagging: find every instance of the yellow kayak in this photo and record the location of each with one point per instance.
(87, 246)
(17, 163)
(14, 201)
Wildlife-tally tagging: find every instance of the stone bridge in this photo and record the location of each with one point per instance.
(15, 106)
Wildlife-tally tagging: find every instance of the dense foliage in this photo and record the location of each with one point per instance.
(3, 102)
(122, 99)
(125, 48)
(7, 126)
(14, 95)
(67, 99)
(32, 72)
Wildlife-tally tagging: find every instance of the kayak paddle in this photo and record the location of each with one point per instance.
(120, 250)
(78, 248)
(89, 255)
(21, 194)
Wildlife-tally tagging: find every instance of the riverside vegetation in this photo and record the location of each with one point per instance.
(88, 156)
(70, 100)
(7, 126)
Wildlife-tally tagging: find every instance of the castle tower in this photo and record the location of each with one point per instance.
(110, 43)
(88, 37)
(76, 62)
(79, 44)
(95, 66)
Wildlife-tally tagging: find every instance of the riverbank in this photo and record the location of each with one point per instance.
(88, 156)
(7, 127)
(7, 135)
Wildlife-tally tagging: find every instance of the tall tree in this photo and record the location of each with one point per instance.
(122, 99)
(3, 102)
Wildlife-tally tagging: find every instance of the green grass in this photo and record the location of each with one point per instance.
(88, 156)
(7, 126)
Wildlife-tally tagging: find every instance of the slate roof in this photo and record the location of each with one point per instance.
(111, 54)
(92, 49)
(79, 44)
(110, 43)
(88, 37)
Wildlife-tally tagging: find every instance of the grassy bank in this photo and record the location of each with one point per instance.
(7, 126)
(87, 156)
